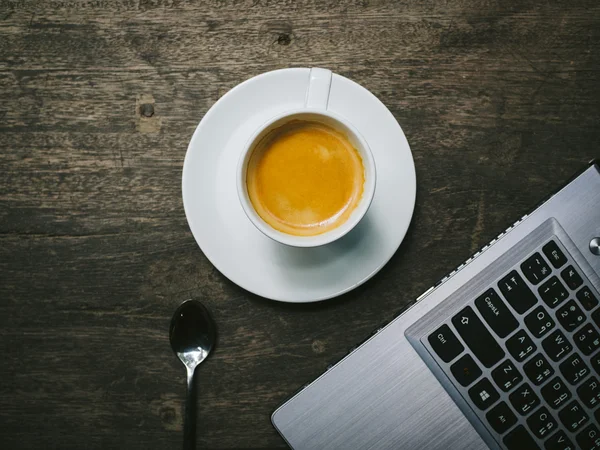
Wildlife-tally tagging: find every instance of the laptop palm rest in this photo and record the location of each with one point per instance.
(383, 397)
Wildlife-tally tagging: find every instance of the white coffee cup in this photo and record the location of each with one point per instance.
(315, 109)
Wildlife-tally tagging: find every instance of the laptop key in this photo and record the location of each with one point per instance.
(597, 415)
(539, 322)
(587, 339)
(520, 439)
(559, 441)
(516, 292)
(538, 369)
(541, 423)
(589, 392)
(556, 346)
(445, 344)
(477, 337)
(573, 416)
(506, 375)
(571, 277)
(586, 298)
(483, 394)
(574, 369)
(465, 370)
(524, 399)
(596, 317)
(535, 268)
(495, 312)
(554, 254)
(520, 346)
(501, 418)
(570, 315)
(596, 362)
(589, 438)
(553, 292)
(556, 393)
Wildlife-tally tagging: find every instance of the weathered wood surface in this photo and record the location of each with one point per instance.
(499, 100)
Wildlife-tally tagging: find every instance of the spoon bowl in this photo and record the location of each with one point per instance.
(192, 334)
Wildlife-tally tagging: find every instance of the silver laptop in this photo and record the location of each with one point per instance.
(503, 353)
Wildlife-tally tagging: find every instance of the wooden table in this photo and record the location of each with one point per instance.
(499, 101)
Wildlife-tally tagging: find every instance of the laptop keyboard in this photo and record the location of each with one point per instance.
(525, 354)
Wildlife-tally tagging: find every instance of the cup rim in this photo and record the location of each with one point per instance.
(328, 236)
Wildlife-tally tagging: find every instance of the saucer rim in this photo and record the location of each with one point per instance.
(209, 255)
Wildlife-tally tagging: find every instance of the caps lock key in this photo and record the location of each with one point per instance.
(496, 313)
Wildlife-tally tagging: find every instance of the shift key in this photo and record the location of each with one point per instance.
(477, 337)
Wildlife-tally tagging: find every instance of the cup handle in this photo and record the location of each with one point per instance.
(319, 86)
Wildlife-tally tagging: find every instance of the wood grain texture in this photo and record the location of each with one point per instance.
(499, 100)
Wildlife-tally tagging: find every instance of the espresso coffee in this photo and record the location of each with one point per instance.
(305, 178)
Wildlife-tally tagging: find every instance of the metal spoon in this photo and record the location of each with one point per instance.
(192, 334)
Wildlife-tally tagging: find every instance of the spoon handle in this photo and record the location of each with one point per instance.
(189, 424)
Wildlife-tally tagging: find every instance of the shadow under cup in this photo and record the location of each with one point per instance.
(351, 134)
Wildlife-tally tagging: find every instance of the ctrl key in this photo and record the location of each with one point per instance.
(445, 343)
(501, 418)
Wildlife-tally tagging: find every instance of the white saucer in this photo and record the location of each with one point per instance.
(246, 256)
